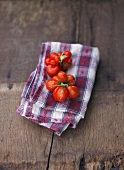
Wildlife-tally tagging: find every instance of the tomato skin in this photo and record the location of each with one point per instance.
(68, 53)
(60, 53)
(66, 63)
(55, 57)
(73, 92)
(70, 80)
(65, 66)
(62, 59)
(47, 61)
(53, 70)
(60, 94)
(56, 78)
(62, 86)
(62, 76)
(67, 60)
(52, 62)
(51, 85)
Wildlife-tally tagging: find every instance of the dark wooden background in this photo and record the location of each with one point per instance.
(98, 141)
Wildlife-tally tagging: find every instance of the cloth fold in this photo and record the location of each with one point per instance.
(37, 102)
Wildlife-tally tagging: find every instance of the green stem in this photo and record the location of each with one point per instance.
(62, 57)
(64, 85)
(60, 85)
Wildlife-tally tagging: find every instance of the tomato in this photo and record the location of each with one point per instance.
(56, 78)
(69, 61)
(68, 53)
(66, 62)
(53, 70)
(52, 62)
(63, 60)
(65, 66)
(60, 53)
(47, 61)
(62, 76)
(51, 85)
(70, 80)
(62, 86)
(55, 57)
(60, 94)
(73, 92)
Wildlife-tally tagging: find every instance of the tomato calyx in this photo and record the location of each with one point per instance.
(65, 60)
(62, 57)
(56, 62)
(60, 85)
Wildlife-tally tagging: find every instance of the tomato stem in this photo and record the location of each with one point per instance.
(60, 85)
(63, 84)
(62, 57)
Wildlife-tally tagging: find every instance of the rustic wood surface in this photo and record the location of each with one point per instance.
(98, 141)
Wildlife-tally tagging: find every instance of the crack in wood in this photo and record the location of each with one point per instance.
(10, 86)
(82, 163)
(48, 162)
(75, 37)
(9, 74)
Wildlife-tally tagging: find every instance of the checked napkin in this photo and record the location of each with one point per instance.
(38, 104)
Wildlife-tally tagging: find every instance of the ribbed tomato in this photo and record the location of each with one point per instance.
(73, 92)
(51, 84)
(62, 87)
(60, 94)
(53, 70)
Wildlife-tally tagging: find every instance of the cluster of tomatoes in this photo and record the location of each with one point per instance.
(57, 62)
(62, 85)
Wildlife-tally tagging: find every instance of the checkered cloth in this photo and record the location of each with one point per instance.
(37, 102)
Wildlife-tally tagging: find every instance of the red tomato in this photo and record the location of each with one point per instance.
(56, 78)
(51, 85)
(70, 80)
(63, 60)
(67, 60)
(73, 92)
(47, 61)
(52, 62)
(68, 53)
(60, 94)
(65, 66)
(62, 76)
(55, 57)
(53, 70)
(60, 53)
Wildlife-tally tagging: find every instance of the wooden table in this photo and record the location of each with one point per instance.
(98, 141)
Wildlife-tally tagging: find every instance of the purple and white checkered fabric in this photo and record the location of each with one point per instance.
(37, 102)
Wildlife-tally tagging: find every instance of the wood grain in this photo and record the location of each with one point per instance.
(24, 25)
(98, 141)
(23, 144)
(99, 137)
(103, 25)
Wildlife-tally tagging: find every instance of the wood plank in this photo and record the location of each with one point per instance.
(103, 25)
(99, 137)
(23, 144)
(98, 141)
(24, 26)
